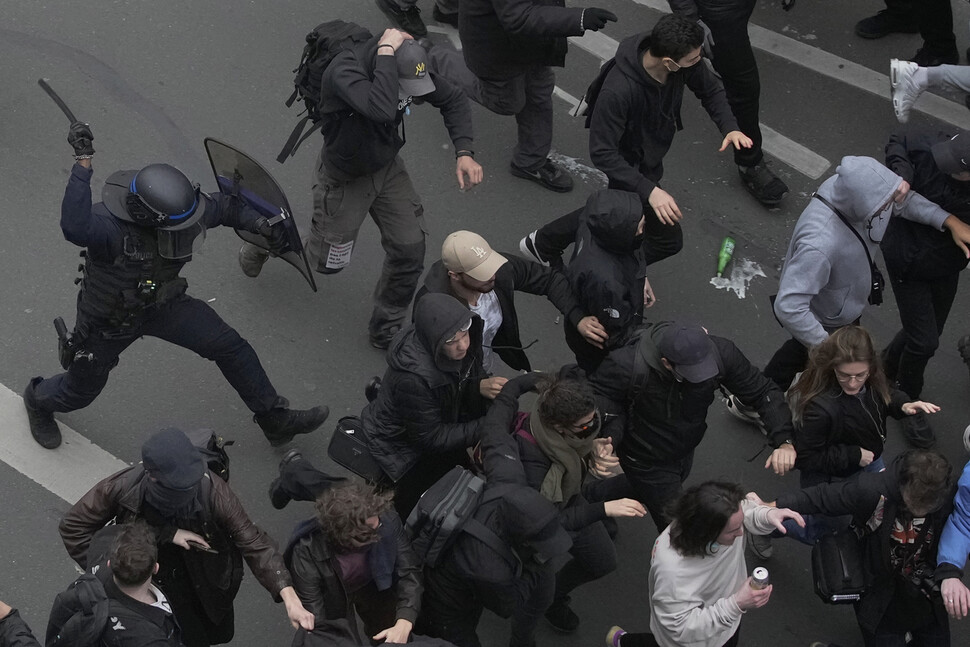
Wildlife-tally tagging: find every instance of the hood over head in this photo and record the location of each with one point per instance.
(613, 217)
(860, 188)
(437, 317)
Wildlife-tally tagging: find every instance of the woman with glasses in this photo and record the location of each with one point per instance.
(839, 408)
(559, 447)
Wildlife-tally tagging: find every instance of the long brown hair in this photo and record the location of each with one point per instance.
(845, 345)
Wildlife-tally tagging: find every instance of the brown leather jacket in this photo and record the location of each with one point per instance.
(223, 520)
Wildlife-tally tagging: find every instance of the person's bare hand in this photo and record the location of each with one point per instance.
(899, 195)
(624, 508)
(466, 166)
(737, 139)
(782, 460)
(665, 206)
(398, 634)
(749, 598)
(649, 298)
(5, 609)
(298, 615)
(912, 408)
(866, 457)
(778, 516)
(393, 37)
(956, 597)
(603, 462)
(184, 537)
(592, 331)
(960, 233)
(490, 387)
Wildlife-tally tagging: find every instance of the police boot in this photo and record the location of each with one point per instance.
(279, 425)
(43, 427)
(251, 259)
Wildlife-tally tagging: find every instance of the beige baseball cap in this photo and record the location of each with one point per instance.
(468, 253)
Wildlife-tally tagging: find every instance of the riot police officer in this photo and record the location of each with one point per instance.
(136, 241)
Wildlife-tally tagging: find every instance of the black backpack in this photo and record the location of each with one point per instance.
(593, 91)
(447, 509)
(322, 45)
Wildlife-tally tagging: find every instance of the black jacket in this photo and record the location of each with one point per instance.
(318, 582)
(426, 404)
(859, 497)
(912, 250)
(363, 118)
(502, 39)
(606, 270)
(14, 632)
(635, 117)
(135, 624)
(836, 427)
(516, 274)
(663, 420)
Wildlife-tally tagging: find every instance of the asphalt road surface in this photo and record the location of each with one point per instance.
(155, 78)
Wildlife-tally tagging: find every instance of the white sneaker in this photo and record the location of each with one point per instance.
(743, 413)
(528, 248)
(907, 82)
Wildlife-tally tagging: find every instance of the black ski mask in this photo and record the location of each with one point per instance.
(174, 472)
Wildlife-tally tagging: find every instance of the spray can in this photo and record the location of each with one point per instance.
(759, 578)
(724, 256)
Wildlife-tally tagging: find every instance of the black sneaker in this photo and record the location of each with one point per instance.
(885, 23)
(918, 432)
(561, 617)
(446, 18)
(280, 425)
(43, 427)
(927, 58)
(277, 496)
(766, 187)
(548, 175)
(408, 20)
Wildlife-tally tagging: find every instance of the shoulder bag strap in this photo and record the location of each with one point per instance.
(842, 217)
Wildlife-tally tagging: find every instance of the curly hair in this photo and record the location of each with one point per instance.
(134, 553)
(699, 515)
(562, 402)
(845, 345)
(675, 37)
(343, 512)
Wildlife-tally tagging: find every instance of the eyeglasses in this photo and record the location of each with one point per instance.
(588, 429)
(845, 378)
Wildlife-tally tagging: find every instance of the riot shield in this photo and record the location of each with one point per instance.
(239, 174)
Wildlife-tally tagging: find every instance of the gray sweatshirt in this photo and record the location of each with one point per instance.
(825, 280)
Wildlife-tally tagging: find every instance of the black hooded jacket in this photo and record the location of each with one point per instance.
(606, 270)
(427, 402)
(363, 118)
(635, 117)
(515, 275)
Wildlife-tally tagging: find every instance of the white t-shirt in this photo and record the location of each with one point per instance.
(490, 311)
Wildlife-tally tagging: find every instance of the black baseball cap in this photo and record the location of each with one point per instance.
(690, 351)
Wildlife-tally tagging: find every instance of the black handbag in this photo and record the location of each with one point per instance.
(837, 567)
(348, 448)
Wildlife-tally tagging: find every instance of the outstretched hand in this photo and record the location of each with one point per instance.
(466, 166)
(912, 408)
(737, 139)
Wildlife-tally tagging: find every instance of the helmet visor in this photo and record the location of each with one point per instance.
(178, 244)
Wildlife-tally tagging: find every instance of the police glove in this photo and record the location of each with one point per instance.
(275, 235)
(80, 138)
(595, 19)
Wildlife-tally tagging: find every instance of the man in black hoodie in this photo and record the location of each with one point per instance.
(432, 398)
(366, 92)
(637, 114)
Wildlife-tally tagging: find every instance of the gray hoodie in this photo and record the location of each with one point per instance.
(825, 280)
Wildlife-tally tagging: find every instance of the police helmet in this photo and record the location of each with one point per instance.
(158, 195)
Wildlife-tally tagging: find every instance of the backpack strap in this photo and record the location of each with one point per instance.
(294, 140)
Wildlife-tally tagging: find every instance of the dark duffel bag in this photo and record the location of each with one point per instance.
(348, 448)
(837, 567)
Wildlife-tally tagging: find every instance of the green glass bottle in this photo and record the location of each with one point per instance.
(724, 256)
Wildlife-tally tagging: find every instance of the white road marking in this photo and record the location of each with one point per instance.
(68, 471)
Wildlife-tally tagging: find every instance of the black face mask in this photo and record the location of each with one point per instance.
(172, 503)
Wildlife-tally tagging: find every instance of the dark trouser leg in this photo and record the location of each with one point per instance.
(301, 481)
(398, 213)
(554, 237)
(923, 309)
(534, 121)
(936, 26)
(638, 640)
(657, 484)
(84, 380)
(734, 60)
(593, 556)
(786, 363)
(451, 608)
(535, 589)
(192, 324)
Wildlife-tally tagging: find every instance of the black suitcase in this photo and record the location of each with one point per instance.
(348, 448)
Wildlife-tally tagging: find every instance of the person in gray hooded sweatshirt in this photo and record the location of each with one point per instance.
(432, 398)
(826, 279)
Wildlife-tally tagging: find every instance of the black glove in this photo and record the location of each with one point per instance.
(275, 235)
(595, 19)
(80, 138)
